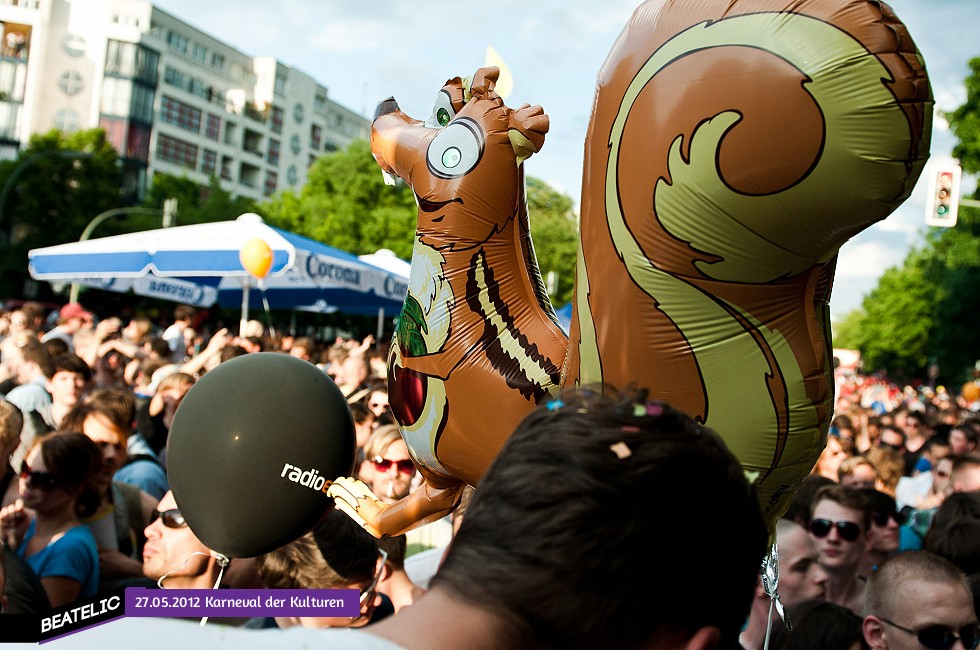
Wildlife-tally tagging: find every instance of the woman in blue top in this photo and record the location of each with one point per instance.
(57, 482)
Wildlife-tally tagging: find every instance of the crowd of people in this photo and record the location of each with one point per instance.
(633, 526)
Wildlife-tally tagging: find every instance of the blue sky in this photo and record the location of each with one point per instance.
(364, 51)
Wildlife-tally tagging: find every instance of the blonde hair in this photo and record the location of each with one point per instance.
(380, 440)
(11, 424)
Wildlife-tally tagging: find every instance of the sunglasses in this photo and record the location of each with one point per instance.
(848, 530)
(891, 446)
(39, 480)
(377, 576)
(405, 466)
(881, 518)
(171, 518)
(940, 637)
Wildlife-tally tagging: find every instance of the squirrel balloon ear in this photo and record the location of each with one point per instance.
(528, 126)
(483, 81)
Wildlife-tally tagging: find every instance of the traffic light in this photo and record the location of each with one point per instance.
(943, 197)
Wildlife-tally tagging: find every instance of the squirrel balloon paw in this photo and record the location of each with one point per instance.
(355, 498)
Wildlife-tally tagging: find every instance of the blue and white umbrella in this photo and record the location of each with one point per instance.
(200, 265)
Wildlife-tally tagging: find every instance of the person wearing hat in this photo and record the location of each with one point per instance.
(71, 318)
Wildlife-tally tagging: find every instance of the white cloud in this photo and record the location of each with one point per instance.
(867, 260)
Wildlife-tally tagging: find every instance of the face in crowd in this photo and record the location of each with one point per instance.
(800, 575)
(391, 473)
(172, 549)
(839, 535)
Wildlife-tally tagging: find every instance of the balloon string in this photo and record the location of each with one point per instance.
(180, 568)
(222, 562)
(268, 312)
(765, 646)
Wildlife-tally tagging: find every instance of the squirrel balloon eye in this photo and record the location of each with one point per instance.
(442, 111)
(456, 149)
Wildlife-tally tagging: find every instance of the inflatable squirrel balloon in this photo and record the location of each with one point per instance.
(734, 146)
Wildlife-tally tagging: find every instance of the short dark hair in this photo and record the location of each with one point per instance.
(578, 500)
(846, 497)
(75, 461)
(71, 362)
(818, 624)
(891, 579)
(336, 553)
(37, 353)
(184, 312)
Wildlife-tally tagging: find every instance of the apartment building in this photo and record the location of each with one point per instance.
(171, 97)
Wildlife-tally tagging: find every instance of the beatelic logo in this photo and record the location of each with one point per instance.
(308, 478)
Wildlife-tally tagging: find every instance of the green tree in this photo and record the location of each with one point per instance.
(925, 311)
(554, 232)
(195, 203)
(346, 204)
(52, 194)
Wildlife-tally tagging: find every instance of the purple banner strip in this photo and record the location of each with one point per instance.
(198, 603)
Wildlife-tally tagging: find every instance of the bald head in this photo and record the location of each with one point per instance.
(893, 584)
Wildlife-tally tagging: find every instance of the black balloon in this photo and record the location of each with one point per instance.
(252, 450)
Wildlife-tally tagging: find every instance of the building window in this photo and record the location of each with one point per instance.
(320, 101)
(212, 127)
(273, 154)
(73, 44)
(66, 120)
(292, 175)
(173, 77)
(209, 161)
(132, 61)
(70, 82)
(294, 144)
(180, 114)
(275, 119)
(316, 135)
(200, 53)
(280, 83)
(178, 152)
(298, 113)
(138, 142)
(271, 180)
(218, 61)
(141, 107)
(177, 41)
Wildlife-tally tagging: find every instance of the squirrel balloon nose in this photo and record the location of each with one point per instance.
(385, 106)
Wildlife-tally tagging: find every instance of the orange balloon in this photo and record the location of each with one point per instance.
(256, 257)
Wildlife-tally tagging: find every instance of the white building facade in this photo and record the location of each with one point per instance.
(170, 97)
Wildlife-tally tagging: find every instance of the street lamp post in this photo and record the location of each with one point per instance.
(24, 164)
(99, 218)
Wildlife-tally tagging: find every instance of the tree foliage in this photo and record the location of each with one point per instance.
(57, 184)
(926, 310)
(195, 203)
(555, 235)
(345, 203)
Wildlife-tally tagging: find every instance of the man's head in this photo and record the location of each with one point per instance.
(184, 314)
(892, 437)
(857, 472)
(578, 500)
(31, 360)
(304, 348)
(840, 527)
(885, 522)
(915, 600)
(106, 417)
(70, 379)
(801, 577)
(963, 439)
(173, 556)
(965, 474)
(74, 317)
(387, 467)
(11, 424)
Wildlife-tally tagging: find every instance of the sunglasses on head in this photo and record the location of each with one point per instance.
(405, 466)
(882, 516)
(171, 518)
(848, 530)
(39, 480)
(940, 637)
